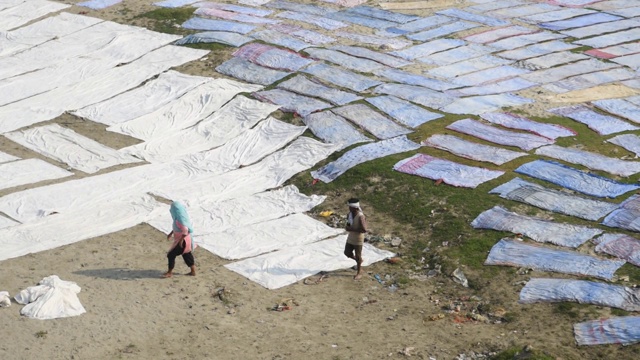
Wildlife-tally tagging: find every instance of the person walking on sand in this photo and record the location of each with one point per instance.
(182, 243)
(356, 227)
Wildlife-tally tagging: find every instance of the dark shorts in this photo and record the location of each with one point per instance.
(350, 249)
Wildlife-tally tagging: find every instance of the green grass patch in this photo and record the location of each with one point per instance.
(168, 20)
(521, 354)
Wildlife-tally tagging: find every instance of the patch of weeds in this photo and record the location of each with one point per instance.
(168, 20)
(566, 308)
(619, 312)
(510, 317)
(403, 280)
(630, 270)
(521, 354)
(41, 334)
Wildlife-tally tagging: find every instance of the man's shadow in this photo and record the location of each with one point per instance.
(120, 273)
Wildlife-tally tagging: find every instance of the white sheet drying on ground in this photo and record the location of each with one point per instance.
(575, 179)
(580, 291)
(247, 71)
(29, 171)
(621, 246)
(300, 84)
(342, 78)
(502, 86)
(334, 129)
(541, 230)
(488, 75)
(52, 298)
(523, 10)
(551, 60)
(372, 121)
(281, 39)
(292, 102)
(222, 37)
(630, 142)
(249, 147)
(468, 66)
(564, 71)
(428, 48)
(272, 57)
(591, 160)
(84, 222)
(362, 154)
(442, 31)
(402, 111)
(188, 110)
(499, 136)
(5, 222)
(344, 60)
(600, 123)
(519, 254)
(515, 42)
(468, 51)
(319, 21)
(142, 100)
(365, 53)
(197, 23)
(67, 146)
(269, 173)
(264, 237)
(514, 121)
(450, 172)
(464, 15)
(409, 78)
(484, 103)
(586, 81)
(598, 29)
(211, 217)
(42, 31)
(40, 81)
(372, 40)
(98, 88)
(620, 107)
(106, 40)
(288, 266)
(579, 21)
(623, 330)
(308, 36)
(553, 200)
(611, 39)
(497, 34)
(559, 14)
(626, 216)
(27, 11)
(471, 150)
(4, 157)
(417, 94)
(231, 120)
(536, 50)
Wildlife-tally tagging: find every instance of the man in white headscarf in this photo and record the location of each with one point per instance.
(356, 227)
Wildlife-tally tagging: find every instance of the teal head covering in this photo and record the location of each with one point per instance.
(179, 213)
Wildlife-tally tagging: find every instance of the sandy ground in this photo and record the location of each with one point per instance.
(132, 313)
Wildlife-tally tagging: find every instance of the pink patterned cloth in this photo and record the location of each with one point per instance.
(177, 237)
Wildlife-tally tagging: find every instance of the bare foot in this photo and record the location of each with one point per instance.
(167, 275)
(357, 277)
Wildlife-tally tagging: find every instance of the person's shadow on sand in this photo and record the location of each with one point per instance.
(120, 273)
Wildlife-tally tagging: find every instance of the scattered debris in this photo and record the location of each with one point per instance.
(396, 241)
(321, 278)
(284, 304)
(5, 299)
(393, 260)
(436, 317)
(326, 213)
(406, 351)
(458, 276)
